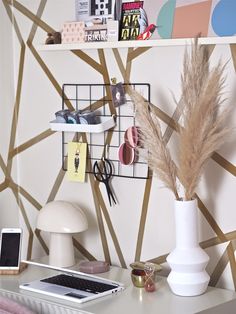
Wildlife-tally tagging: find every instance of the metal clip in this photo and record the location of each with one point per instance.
(114, 80)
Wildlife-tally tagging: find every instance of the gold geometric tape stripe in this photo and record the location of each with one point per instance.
(35, 25)
(31, 142)
(30, 15)
(83, 251)
(219, 269)
(2, 165)
(125, 72)
(100, 221)
(221, 236)
(143, 217)
(165, 117)
(110, 226)
(221, 265)
(230, 251)
(26, 195)
(159, 260)
(210, 49)
(128, 67)
(98, 211)
(175, 117)
(136, 53)
(106, 78)
(3, 186)
(56, 185)
(225, 164)
(98, 103)
(119, 62)
(107, 145)
(16, 107)
(41, 241)
(23, 212)
(48, 74)
(83, 56)
(215, 241)
(13, 21)
(204, 244)
(227, 256)
(211, 220)
(126, 76)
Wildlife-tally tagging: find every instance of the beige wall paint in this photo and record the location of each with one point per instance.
(39, 161)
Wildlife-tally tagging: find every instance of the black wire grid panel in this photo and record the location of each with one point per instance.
(87, 96)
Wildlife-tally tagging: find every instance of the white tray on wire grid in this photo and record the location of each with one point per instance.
(105, 124)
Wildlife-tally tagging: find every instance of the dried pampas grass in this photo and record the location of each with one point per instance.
(204, 124)
(151, 139)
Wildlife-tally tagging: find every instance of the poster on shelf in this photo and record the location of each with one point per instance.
(190, 18)
(91, 11)
(129, 25)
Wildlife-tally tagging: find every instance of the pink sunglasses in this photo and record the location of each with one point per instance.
(126, 152)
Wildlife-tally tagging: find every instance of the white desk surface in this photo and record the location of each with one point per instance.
(131, 300)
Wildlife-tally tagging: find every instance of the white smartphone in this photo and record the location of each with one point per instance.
(10, 248)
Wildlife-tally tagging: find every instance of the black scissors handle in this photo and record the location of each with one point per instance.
(104, 177)
(99, 175)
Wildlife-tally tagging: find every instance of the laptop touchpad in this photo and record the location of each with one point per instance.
(57, 289)
(75, 295)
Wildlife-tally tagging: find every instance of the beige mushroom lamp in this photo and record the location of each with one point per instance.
(62, 219)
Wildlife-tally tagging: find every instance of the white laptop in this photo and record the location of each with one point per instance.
(72, 285)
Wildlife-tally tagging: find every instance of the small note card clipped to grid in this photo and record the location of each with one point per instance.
(77, 153)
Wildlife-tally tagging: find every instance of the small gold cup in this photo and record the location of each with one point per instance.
(138, 273)
(138, 277)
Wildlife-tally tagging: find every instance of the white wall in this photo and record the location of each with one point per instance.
(40, 164)
(9, 208)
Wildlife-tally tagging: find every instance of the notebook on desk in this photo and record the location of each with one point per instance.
(72, 285)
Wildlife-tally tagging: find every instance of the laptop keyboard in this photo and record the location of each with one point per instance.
(79, 283)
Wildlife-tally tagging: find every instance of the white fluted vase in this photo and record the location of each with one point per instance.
(188, 261)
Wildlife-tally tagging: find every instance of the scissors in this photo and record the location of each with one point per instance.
(105, 176)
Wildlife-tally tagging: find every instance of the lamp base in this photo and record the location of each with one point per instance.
(61, 250)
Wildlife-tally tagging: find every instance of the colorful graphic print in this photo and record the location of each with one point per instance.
(190, 18)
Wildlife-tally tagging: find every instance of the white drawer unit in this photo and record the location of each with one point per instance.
(130, 300)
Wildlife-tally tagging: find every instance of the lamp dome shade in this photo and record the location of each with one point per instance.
(61, 217)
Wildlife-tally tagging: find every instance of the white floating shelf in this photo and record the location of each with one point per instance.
(138, 43)
(106, 124)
